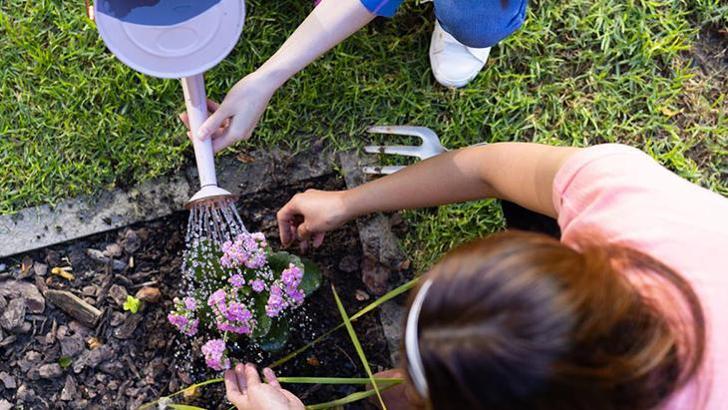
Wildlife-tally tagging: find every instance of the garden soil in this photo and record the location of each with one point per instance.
(53, 360)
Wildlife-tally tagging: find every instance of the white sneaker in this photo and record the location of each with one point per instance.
(454, 64)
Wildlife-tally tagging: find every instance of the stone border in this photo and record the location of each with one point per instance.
(43, 226)
(381, 254)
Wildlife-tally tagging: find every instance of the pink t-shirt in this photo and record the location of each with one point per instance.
(631, 200)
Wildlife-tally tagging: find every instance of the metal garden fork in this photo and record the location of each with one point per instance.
(430, 147)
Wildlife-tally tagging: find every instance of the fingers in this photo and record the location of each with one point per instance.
(251, 376)
(286, 226)
(212, 106)
(304, 233)
(232, 388)
(271, 378)
(222, 140)
(213, 122)
(318, 239)
(240, 377)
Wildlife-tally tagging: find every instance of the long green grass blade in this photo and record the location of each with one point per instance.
(368, 308)
(357, 345)
(177, 393)
(184, 407)
(360, 395)
(338, 380)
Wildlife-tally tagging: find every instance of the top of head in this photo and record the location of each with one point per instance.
(170, 38)
(210, 195)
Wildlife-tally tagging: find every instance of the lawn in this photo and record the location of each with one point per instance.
(74, 120)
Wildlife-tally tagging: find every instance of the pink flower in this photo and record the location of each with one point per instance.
(276, 303)
(190, 303)
(236, 312)
(247, 250)
(214, 351)
(296, 295)
(258, 285)
(192, 328)
(292, 276)
(237, 280)
(183, 323)
(217, 298)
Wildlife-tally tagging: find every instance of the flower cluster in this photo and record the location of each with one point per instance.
(183, 318)
(240, 288)
(214, 351)
(286, 291)
(231, 314)
(247, 250)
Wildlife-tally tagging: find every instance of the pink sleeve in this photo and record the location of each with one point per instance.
(625, 197)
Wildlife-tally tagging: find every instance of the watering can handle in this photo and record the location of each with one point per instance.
(196, 104)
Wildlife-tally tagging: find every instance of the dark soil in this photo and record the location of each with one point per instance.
(133, 358)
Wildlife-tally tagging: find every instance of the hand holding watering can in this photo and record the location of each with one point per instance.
(176, 39)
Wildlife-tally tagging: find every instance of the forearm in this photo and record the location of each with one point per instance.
(330, 23)
(518, 172)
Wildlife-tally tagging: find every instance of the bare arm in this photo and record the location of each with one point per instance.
(519, 172)
(329, 23)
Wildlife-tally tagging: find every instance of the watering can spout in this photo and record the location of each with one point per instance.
(196, 104)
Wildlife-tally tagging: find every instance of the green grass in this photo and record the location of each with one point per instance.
(75, 120)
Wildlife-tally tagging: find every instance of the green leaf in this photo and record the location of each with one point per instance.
(277, 336)
(354, 397)
(64, 362)
(184, 407)
(264, 321)
(311, 277)
(132, 304)
(357, 345)
(278, 261)
(384, 298)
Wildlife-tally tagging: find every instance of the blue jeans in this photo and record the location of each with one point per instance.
(475, 23)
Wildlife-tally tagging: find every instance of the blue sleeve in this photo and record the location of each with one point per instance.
(383, 8)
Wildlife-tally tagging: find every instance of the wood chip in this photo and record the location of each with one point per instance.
(245, 158)
(64, 272)
(93, 343)
(25, 266)
(361, 295)
(148, 294)
(74, 306)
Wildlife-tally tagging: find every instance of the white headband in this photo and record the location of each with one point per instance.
(411, 342)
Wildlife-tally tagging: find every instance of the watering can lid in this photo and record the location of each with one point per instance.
(170, 38)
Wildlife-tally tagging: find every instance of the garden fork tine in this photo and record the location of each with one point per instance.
(430, 146)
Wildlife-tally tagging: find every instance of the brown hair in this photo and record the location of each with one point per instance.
(521, 321)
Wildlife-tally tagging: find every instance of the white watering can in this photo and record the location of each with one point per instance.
(176, 39)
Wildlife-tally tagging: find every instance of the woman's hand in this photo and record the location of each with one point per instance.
(308, 215)
(245, 390)
(237, 116)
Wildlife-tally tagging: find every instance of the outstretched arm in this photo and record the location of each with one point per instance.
(519, 172)
(330, 23)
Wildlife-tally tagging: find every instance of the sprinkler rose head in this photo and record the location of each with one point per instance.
(208, 195)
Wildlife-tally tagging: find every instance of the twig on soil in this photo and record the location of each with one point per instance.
(141, 285)
(353, 363)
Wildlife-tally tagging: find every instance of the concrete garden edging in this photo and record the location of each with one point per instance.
(44, 225)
